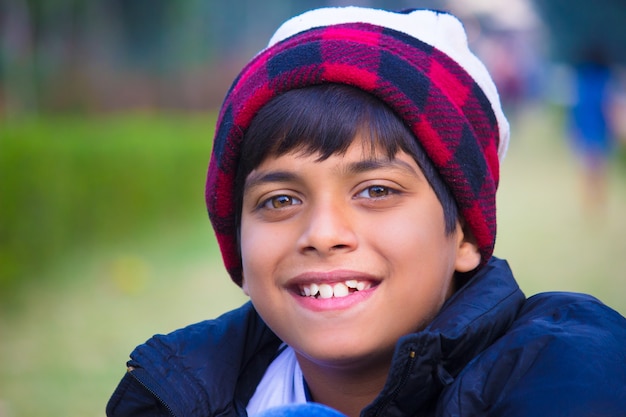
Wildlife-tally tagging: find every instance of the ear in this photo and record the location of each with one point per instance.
(467, 255)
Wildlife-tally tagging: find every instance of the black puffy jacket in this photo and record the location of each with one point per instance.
(489, 352)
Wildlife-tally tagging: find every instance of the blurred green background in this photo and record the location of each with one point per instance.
(107, 110)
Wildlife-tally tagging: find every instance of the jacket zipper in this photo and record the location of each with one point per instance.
(151, 391)
(394, 393)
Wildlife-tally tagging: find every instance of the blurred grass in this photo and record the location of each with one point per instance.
(551, 235)
(111, 244)
(70, 181)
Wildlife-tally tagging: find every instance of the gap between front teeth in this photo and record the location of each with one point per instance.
(340, 289)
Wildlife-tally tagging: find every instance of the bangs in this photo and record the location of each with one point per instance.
(322, 120)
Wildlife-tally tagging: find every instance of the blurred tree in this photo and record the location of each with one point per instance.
(17, 91)
(576, 26)
(88, 55)
(145, 26)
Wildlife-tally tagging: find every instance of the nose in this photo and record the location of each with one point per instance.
(329, 229)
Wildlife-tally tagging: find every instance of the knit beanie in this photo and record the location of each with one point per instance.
(417, 62)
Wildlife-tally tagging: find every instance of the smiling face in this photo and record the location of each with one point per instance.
(343, 256)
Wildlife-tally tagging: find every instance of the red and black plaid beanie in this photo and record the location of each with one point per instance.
(417, 62)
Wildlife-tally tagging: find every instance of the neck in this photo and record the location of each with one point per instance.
(347, 389)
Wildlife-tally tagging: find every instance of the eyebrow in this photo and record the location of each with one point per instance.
(378, 163)
(256, 178)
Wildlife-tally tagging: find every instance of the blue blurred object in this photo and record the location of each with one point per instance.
(589, 121)
(307, 410)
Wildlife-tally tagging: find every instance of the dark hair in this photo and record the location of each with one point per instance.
(324, 119)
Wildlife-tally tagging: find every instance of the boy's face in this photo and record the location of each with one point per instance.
(364, 233)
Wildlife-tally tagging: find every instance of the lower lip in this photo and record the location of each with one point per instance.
(334, 303)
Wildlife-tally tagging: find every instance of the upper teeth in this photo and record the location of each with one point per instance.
(340, 289)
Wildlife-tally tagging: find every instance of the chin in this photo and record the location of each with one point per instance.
(344, 355)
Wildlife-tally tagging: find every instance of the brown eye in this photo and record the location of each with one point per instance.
(281, 201)
(378, 191)
(375, 191)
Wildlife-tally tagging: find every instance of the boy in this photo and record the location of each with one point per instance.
(352, 191)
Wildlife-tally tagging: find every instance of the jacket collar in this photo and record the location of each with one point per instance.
(471, 320)
(208, 368)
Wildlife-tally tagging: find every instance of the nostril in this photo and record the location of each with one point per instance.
(334, 248)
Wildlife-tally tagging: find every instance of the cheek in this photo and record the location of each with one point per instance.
(252, 262)
(411, 233)
(249, 257)
(262, 247)
(417, 247)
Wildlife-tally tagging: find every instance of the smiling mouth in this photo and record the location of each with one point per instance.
(336, 290)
